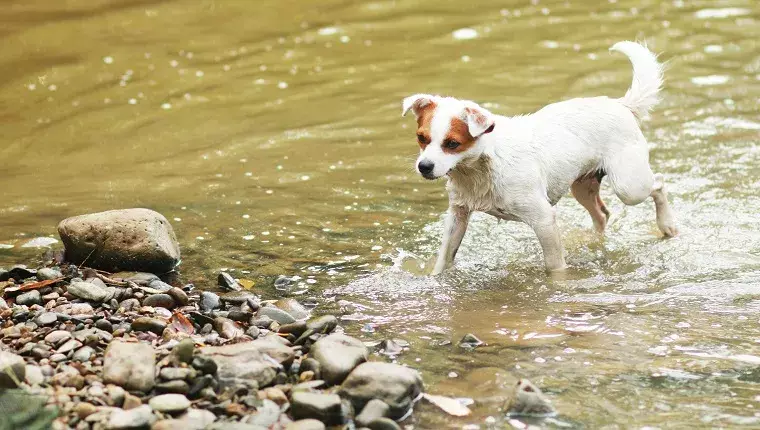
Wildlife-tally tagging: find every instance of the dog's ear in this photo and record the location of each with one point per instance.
(416, 103)
(479, 121)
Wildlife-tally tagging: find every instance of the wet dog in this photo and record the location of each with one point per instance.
(517, 168)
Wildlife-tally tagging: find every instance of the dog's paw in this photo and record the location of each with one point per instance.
(668, 228)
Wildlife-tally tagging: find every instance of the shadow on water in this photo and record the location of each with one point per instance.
(269, 134)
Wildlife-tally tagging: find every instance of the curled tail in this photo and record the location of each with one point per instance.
(644, 93)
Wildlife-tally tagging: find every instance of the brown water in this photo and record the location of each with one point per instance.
(269, 132)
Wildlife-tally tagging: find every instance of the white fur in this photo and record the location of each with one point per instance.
(527, 163)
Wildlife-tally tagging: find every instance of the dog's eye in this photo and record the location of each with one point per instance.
(421, 138)
(450, 144)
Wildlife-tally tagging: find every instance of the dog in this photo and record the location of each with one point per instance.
(517, 168)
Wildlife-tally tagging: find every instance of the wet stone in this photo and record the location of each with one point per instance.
(90, 292)
(227, 282)
(160, 285)
(292, 307)
(276, 314)
(338, 355)
(208, 301)
(383, 424)
(374, 409)
(324, 324)
(139, 278)
(31, 298)
(398, 386)
(237, 298)
(326, 408)
(528, 400)
(159, 301)
(470, 341)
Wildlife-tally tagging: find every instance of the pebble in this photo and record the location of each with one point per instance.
(69, 345)
(307, 424)
(130, 365)
(326, 408)
(176, 386)
(90, 292)
(169, 403)
(184, 350)
(179, 296)
(31, 298)
(292, 307)
(131, 401)
(208, 301)
(227, 328)
(34, 375)
(470, 341)
(276, 314)
(104, 324)
(324, 324)
(83, 354)
(159, 301)
(205, 364)
(139, 417)
(172, 373)
(84, 409)
(149, 324)
(383, 424)
(373, 410)
(338, 355)
(48, 273)
(227, 282)
(46, 318)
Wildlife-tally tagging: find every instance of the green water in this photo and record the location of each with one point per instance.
(269, 133)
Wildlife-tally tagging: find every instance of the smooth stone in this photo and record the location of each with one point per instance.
(310, 364)
(227, 282)
(338, 355)
(227, 328)
(169, 403)
(240, 316)
(253, 331)
(179, 296)
(104, 324)
(31, 298)
(130, 365)
(237, 298)
(33, 375)
(176, 386)
(398, 386)
(326, 408)
(126, 239)
(258, 360)
(116, 395)
(470, 341)
(296, 329)
(130, 304)
(267, 415)
(84, 409)
(374, 409)
(292, 307)
(184, 350)
(177, 373)
(48, 273)
(139, 417)
(160, 286)
(131, 402)
(149, 324)
(46, 318)
(3, 304)
(307, 424)
(324, 324)
(276, 314)
(528, 400)
(68, 346)
(139, 278)
(208, 301)
(90, 292)
(383, 424)
(205, 364)
(227, 425)
(159, 301)
(83, 354)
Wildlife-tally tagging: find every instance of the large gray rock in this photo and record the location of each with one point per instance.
(130, 365)
(396, 385)
(12, 369)
(338, 355)
(256, 361)
(127, 239)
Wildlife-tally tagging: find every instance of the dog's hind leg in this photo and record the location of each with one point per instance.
(586, 191)
(457, 219)
(633, 182)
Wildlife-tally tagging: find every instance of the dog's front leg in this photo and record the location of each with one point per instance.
(548, 235)
(454, 228)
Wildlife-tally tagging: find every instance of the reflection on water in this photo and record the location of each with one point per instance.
(269, 132)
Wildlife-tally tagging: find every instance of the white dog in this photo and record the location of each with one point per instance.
(517, 168)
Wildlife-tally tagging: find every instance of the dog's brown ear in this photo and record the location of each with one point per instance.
(416, 103)
(479, 121)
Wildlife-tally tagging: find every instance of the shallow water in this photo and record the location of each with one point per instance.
(269, 133)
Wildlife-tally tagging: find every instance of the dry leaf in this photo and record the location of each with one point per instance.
(38, 285)
(246, 283)
(181, 323)
(448, 405)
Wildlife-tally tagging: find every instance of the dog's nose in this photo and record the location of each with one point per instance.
(425, 166)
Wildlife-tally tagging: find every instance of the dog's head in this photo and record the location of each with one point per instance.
(448, 131)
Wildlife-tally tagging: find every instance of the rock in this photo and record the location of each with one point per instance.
(193, 419)
(237, 298)
(179, 296)
(296, 329)
(227, 328)
(3, 304)
(46, 318)
(205, 364)
(327, 408)
(48, 273)
(131, 402)
(276, 314)
(130, 305)
(139, 278)
(169, 403)
(274, 394)
(398, 386)
(528, 399)
(257, 361)
(383, 424)
(149, 324)
(268, 414)
(311, 365)
(307, 424)
(324, 324)
(159, 301)
(130, 365)
(176, 386)
(295, 309)
(68, 346)
(127, 239)
(12, 369)
(84, 409)
(83, 354)
(253, 331)
(374, 409)
(139, 417)
(240, 316)
(227, 282)
(234, 426)
(18, 273)
(177, 373)
(209, 301)
(469, 341)
(31, 298)
(104, 324)
(338, 355)
(116, 395)
(184, 350)
(90, 292)
(160, 286)
(33, 375)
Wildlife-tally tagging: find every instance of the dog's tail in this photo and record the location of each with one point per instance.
(644, 93)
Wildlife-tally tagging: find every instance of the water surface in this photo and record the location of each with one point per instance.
(269, 133)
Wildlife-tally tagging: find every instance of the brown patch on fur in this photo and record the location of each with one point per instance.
(461, 133)
(424, 117)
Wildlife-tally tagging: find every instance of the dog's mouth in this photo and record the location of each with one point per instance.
(429, 176)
